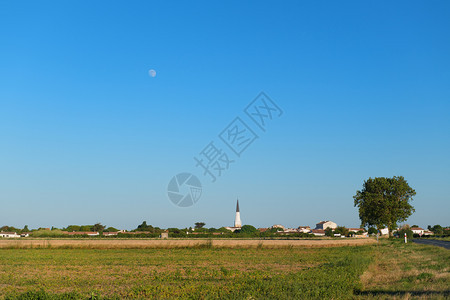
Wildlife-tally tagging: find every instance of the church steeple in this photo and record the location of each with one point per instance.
(237, 219)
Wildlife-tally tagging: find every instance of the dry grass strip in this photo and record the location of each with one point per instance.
(176, 243)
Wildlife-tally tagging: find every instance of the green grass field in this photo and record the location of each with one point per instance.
(390, 269)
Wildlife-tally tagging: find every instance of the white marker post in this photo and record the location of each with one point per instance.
(406, 240)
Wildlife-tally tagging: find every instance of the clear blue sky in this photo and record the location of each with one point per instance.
(86, 135)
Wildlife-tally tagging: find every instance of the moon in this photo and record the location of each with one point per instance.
(152, 73)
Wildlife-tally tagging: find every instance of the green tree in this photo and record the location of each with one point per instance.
(71, 228)
(174, 230)
(405, 229)
(25, 229)
(275, 229)
(223, 230)
(342, 230)
(372, 230)
(9, 229)
(383, 202)
(437, 229)
(199, 225)
(248, 229)
(98, 227)
(86, 227)
(111, 229)
(145, 227)
(329, 231)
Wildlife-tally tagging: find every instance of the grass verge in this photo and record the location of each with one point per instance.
(407, 271)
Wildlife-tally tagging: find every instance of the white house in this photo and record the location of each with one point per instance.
(355, 230)
(9, 235)
(278, 226)
(326, 224)
(110, 233)
(304, 229)
(417, 230)
(318, 232)
(384, 231)
(233, 229)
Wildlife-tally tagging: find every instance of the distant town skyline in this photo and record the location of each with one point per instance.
(98, 116)
(237, 224)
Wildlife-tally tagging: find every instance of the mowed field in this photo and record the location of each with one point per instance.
(177, 243)
(385, 270)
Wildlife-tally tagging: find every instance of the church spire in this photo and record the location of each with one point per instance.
(237, 219)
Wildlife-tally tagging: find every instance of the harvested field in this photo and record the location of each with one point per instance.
(390, 269)
(186, 273)
(177, 243)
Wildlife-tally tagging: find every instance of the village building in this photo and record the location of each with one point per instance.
(304, 229)
(9, 235)
(278, 226)
(290, 230)
(356, 230)
(384, 231)
(326, 224)
(318, 232)
(110, 233)
(418, 230)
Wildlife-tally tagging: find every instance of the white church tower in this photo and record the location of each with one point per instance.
(237, 219)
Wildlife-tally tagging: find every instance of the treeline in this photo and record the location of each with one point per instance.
(438, 231)
(14, 229)
(145, 230)
(344, 231)
(199, 230)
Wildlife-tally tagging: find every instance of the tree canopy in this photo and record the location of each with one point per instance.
(383, 202)
(248, 229)
(98, 227)
(342, 230)
(199, 225)
(144, 227)
(437, 229)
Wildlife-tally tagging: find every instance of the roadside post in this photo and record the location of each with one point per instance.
(406, 240)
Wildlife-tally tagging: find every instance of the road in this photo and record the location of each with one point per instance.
(445, 244)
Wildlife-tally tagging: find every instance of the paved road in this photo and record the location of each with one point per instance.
(445, 244)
